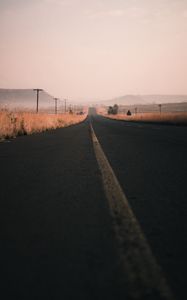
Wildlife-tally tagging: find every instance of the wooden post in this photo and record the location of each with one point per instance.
(56, 99)
(37, 98)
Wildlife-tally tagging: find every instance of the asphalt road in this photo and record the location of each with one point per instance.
(57, 239)
(150, 162)
(57, 236)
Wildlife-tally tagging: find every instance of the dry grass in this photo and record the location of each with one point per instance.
(13, 124)
(178, 118)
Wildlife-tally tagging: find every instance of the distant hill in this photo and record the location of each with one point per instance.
(149, 103)
(25, 99)
(146, 99)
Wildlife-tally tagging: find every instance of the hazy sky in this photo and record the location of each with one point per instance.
(94, 48)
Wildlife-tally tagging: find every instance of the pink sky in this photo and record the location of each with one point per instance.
(95, 49)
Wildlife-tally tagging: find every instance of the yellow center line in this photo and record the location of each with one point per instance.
(143, 277)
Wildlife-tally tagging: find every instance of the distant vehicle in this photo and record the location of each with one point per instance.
(129, 113)
(80, 113)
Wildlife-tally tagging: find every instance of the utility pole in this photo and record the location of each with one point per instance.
(160, 108)
(37, 97)
(136, 110)
(56, 99)
(65, 104)
(70, 109)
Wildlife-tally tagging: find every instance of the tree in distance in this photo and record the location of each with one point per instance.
(113, 110)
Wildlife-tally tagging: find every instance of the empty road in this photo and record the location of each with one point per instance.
(57, 232)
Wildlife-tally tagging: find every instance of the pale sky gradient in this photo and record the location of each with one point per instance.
(94, 48)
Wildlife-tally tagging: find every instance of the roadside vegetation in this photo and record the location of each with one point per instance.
(175, 118)
(13, 124)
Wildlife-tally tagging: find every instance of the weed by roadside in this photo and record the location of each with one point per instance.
(178, 118)
(13, 124)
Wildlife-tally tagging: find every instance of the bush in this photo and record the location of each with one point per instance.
(113, 110)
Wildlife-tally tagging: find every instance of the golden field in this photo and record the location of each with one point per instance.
(175, 118)
(13, 124)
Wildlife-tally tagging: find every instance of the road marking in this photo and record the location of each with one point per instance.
(4, 141)
(156, 128)
(143, 277)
